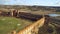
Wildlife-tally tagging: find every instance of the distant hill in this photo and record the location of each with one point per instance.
(34, 8)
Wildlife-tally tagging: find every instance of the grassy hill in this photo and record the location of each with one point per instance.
(7, 24)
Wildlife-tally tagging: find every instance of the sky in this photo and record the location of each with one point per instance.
(31, 2)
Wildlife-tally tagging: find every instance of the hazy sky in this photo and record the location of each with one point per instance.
(31, 2)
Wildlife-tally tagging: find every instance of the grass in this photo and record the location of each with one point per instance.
(7, 24)
(57, 12)
(49, 29)
(54, 29)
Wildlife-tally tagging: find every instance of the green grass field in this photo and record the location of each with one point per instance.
(7, 24)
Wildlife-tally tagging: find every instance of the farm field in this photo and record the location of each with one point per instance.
(8, 24)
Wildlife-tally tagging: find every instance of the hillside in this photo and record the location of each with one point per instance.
(8, 24)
